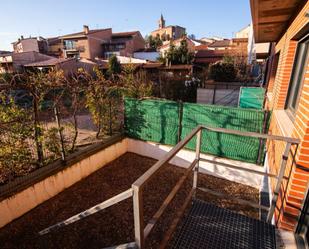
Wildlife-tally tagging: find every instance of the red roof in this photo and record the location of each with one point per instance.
(208, 56)
(125, 34)
(82, 33)
(210, 53)
(201, 47)
(220, 43)
(176, 40)
(48, 63)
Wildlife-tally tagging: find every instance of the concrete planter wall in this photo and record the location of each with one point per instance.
(27, 199)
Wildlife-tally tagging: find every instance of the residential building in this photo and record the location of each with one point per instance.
(164, 48)
(55, 46)
(168, 32)
(211, 39)
(101, 43)
(257, 52)
(243, 33)
(50, 46)
(86, 44)
(206, 57)
(123, 44)
(6, 62)
(15, 62)
(69, 66)
(4, 52)
(37, 44)
(224, 44)
(286, 24)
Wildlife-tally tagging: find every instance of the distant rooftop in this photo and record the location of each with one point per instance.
(124, 34)
(48, 63)
(221, 43)
(83, 33)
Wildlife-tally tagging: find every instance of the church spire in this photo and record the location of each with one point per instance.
(161, 22)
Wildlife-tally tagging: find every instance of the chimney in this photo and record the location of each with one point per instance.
(86, 29)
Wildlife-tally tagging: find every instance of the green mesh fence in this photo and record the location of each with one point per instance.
(159, 121)
(152, 120)
(220, 144)
(251, 97)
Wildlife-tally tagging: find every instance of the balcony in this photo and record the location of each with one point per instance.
(146, 197)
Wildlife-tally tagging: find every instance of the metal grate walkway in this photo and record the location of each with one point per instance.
(212, 227)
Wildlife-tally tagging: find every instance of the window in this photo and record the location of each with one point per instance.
(299, 68)
(70, 44)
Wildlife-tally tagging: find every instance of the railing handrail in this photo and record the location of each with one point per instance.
(167, 157)
(141, 231)
(253, 134)
(90, 211)
(149, 173)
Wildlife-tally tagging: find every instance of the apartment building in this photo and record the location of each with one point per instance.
(165, 47)
(123, 44)
(101, 43)
(37, 44)
(15, 62)
(85, 44)
(286, 25)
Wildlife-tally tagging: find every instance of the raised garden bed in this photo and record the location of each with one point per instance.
(114, 225)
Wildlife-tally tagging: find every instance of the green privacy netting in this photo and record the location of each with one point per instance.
(159, 121)
(152, 120)
(251, 97)
(220, 144)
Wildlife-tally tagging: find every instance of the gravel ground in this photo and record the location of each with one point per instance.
(114, 225)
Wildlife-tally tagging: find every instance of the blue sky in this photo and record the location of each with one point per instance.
(57, 17)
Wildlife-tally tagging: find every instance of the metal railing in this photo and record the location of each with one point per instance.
(136, 191)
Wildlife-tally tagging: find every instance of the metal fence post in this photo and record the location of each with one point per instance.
(138, 217)
(262, 141)
(279, 180)
(197, 156)
(180, 114)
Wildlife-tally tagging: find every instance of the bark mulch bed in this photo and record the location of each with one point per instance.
(114, 225)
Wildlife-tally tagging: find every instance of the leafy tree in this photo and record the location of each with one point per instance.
(177, 55)
(114, 66)
(222, 72)
(16, 130)
(134, 84)
(154, 42)
(76, 87)
(103, 101)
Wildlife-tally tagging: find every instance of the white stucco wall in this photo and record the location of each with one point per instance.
(150, 56)
(185, 157)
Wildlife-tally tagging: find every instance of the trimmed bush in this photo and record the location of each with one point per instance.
(222, 72)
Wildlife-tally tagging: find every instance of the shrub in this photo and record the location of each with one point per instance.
(222, 71)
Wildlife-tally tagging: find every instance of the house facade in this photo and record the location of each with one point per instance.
(101, 43)
(190, 45)
(287, 27)
(86, 44)
(37, 44)
(123, 44)
(15, 62)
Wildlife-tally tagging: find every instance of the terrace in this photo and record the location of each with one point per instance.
(183, 200)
